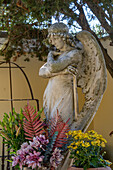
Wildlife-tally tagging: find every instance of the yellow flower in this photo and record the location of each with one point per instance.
(103, 144)
(70, 132)
(93, 143)
(98, 142)
(75, 147)
(72, 144)
(87, 144)
(83, 144)
(85, 140)
(104, 140)
(67, 135)
(86, 135)
(110, 163)
(77, 143)
(92, 131)
(75, 137)
(69, 146)
(77, 152)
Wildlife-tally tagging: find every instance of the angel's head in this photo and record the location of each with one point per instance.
(60, 37)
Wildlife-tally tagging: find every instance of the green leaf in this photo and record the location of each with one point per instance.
(86, 167)
(10, 115)
(94, 163)
(6, 115)
(49, 147)
(10, 125)
(12, 153)
(8, 160)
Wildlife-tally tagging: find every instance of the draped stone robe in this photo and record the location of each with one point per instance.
(59, 91)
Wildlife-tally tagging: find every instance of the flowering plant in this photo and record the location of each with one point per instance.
(12, 130)
(44, 143)
(85, 149)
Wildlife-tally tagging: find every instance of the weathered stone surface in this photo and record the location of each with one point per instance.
(87, 64)
(81, 61)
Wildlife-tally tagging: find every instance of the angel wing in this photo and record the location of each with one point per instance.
(92, 78)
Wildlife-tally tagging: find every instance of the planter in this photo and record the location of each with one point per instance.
(101, 168)
(26, 168)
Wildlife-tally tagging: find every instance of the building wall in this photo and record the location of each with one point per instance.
(20, 87)
(102, 122)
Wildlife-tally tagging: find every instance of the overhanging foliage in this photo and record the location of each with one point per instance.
(26, 19)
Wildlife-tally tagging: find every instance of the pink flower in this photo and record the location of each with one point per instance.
(39, 142)
(25, 149)
(15, 160)
(42, 139)
(28, 149)
(36, 144)
(27, 154)
(24, 145)
(34, 159)
(21, 159)
(56, 158)
(21, 155)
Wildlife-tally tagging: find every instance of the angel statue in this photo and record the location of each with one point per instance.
(73, 63)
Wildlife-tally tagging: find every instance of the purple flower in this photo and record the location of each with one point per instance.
(27, 155)
(15, 160)
(42, 139)
(36, 144)
(24, 145)
(34, 159)
(56, 158)
(21, 155)
(21, 159)
(39, 142)
(25, 149)
(28, 149)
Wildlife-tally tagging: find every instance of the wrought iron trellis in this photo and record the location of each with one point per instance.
(3, 156)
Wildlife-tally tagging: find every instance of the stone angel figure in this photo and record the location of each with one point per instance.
(70, 65)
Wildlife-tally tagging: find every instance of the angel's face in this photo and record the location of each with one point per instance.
(57, 41)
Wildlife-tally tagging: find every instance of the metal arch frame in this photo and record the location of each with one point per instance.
(26, 78)
(32, 98)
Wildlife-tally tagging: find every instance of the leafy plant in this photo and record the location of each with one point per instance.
(56, 124)
(12, 129)
(32, 124)
(57, 130)
(45, 145)
(85, 149)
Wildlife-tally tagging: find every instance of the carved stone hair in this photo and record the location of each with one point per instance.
(61, 30)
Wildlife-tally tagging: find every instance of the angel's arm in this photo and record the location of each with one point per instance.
(56, 65)
(44, 72)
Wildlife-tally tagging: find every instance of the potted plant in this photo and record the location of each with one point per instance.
(43, 145)
(86, 151)
(12, 130)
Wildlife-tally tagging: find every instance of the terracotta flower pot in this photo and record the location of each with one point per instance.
(101, 168)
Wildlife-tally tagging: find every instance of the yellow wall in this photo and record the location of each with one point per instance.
(20, 87)
(103, 121)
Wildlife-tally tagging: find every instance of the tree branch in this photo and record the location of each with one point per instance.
(82, 21)
(20, 4)
(101, 15)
